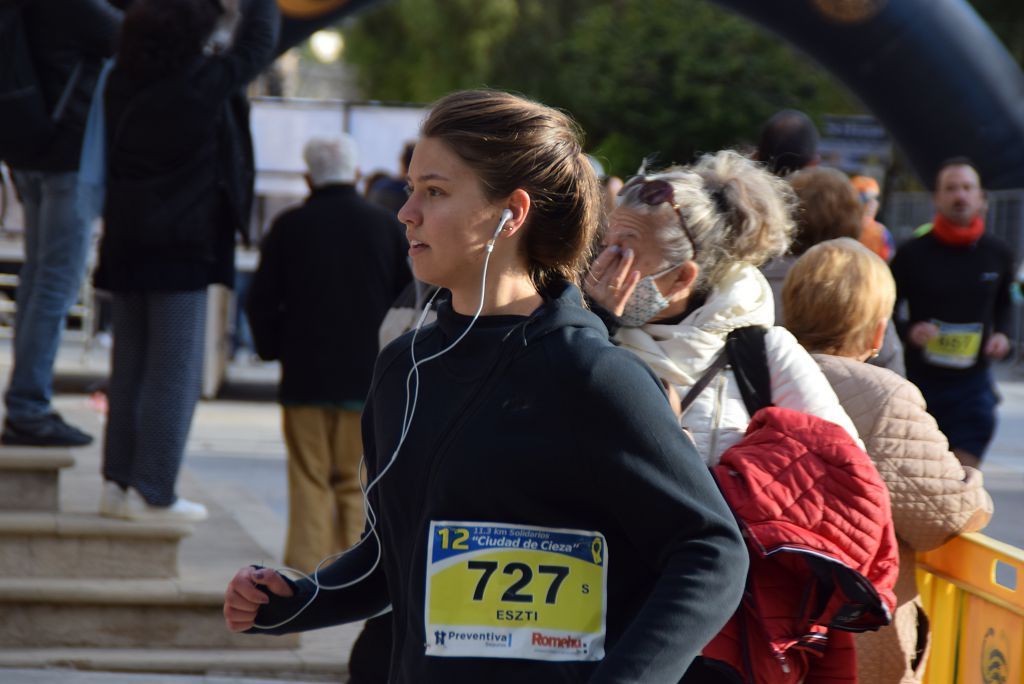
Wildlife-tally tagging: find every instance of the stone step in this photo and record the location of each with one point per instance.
(80, 545)
(222, 664)
(140, 613)
(29, 477)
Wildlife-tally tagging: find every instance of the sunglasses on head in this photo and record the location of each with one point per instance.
(656, 192)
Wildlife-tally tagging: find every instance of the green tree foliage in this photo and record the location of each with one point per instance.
(678, 77)
(669, 77)
(417, 50)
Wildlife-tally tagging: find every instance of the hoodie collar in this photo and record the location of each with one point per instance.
(562, 308)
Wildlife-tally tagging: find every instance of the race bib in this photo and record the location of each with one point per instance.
(956, 346)
(515, 591)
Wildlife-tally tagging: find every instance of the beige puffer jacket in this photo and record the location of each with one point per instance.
(934, 498)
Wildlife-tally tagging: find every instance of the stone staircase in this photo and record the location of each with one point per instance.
(29, 479)
(79, 590)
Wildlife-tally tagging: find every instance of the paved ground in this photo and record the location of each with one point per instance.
(1004, 465)
(236, 463)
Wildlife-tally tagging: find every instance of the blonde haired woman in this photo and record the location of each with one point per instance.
(679, 273)
(837, 298)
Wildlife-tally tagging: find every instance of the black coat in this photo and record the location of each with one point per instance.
(329, 271)
(180, 176)
(536, 421)
(68, 40)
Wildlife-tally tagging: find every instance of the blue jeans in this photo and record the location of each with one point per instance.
(57, 238)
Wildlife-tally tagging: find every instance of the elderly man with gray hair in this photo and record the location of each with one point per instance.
(329, 269)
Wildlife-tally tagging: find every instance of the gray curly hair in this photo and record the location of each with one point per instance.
(735, 209)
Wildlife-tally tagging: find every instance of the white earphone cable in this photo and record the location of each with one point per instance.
(412, 387)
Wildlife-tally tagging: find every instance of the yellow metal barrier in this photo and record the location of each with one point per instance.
(973, 594)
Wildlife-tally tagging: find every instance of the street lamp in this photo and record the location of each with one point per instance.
(326, 45)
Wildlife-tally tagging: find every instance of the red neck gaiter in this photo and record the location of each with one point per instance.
(949, 233)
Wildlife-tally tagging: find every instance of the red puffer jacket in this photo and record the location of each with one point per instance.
(824, 559)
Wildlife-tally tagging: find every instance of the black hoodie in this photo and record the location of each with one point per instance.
(537, 421)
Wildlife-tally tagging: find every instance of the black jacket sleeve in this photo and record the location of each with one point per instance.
(96, 23)
(354, 587)
(657, 486)
(253, 47)
(265, 305)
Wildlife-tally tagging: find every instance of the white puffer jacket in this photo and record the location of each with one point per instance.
(681, 353)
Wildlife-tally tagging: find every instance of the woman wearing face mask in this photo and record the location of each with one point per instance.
(511, 449)
(679, 273)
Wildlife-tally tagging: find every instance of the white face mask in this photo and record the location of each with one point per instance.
(646, 302)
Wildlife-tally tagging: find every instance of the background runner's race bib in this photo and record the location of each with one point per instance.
(956, 346)
(515, 591)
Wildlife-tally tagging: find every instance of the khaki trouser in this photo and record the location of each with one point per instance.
(325, 504)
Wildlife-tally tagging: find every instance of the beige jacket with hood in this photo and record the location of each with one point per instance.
(933, 497)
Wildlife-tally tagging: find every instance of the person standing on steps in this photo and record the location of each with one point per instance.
(178, 191)
(68, 41)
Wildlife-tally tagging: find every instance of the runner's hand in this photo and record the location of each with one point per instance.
(921, 332)
(611, 281)
(997, 346)
(242, 598)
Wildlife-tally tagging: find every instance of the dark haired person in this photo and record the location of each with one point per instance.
(178, 189)
(829, 208)
(388, 192)
(531, 451)
(955, 280)
(788, 143)
(67, 40)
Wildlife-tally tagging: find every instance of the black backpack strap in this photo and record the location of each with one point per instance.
(748, 357)
(720, 362)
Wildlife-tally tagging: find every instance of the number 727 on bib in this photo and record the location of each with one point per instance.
(515, 591)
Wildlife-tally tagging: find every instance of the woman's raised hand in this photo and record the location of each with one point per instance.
(242, 598)
(611, 281)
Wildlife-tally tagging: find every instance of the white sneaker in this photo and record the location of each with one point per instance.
(138, 509)
(112, 500)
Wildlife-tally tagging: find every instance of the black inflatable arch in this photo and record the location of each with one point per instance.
(930, 70)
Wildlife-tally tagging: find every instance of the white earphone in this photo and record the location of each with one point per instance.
(412, 390)
(506, 215)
